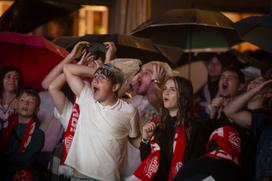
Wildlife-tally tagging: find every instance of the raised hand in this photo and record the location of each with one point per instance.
(111, 51)
(158, 72)
(215, 105)
(148, 130)
(88, 60)
(79, 49)
(265, 88)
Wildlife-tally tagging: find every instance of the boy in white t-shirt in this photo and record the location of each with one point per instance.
(104, 125)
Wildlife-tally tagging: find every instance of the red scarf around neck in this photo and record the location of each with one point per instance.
(149, 167)
(70, 132)
(26, 138)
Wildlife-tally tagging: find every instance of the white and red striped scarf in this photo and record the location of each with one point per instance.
(149, 167)
(70, 132)
(229, 141)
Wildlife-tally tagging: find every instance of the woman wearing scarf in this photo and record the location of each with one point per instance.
(172, 138)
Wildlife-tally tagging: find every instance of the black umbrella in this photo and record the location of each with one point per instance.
(65, 41)
(26, 15)
(190, 29)
(127, 46)
(256, 30)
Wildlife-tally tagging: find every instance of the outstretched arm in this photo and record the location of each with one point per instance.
(234, 109)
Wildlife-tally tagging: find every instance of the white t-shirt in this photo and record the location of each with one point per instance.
(65, 115)
(99, 146)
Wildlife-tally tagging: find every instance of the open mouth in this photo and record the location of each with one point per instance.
(225, 86)
(95, 89)
(139, 82)
(165, 99)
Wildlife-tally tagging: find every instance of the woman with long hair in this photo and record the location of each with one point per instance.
(11, 84)
(174, 136)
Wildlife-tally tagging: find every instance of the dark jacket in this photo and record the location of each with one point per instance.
(195, 147)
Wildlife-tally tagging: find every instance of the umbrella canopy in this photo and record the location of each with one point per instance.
(256, 30)
(65, 41)
(191, 30)
(34, 56)
(24, 16)
(127, 46)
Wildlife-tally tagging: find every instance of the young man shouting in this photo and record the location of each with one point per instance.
(104, 125)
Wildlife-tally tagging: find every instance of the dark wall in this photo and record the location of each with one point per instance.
(252, 6)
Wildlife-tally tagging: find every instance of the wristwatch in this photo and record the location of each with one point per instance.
(156, 81)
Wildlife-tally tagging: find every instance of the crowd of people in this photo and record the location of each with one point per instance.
(101, 117)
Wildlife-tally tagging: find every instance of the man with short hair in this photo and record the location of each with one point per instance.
(104, 124)
(22, 140)
(230, 85)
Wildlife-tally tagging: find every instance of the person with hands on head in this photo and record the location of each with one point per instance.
(249, 110)
(105, 123)
(173, 137)
(65, 109)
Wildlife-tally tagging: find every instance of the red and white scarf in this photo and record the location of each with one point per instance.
(26, 138)
(149, 167)
(70, 132)
(229, 141)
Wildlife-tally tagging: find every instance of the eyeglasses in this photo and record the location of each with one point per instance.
(100, 77)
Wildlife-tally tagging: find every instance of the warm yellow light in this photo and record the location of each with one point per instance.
(4, 5)
(93, 20)
(96, 8)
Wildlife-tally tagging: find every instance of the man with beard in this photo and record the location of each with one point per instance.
(147, 100)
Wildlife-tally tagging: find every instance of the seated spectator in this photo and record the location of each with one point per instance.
(22, 139)
(11, 84)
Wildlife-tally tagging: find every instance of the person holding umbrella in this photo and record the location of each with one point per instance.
(11, 84)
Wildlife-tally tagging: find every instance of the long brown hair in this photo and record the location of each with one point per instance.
(185, 105)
